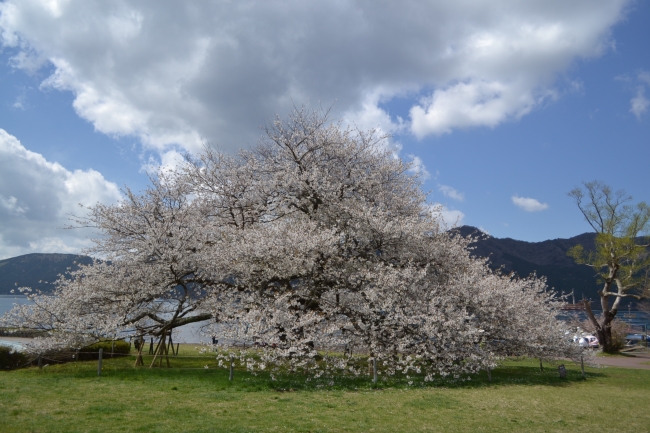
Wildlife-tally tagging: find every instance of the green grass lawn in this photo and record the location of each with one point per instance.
(520, 398)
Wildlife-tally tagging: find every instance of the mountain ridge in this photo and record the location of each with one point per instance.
(547, 259)
(36, 270)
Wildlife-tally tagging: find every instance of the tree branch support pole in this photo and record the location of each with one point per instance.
(40, 362)
(582, 366)
(99, 361)
(138, 359)
(374, 370)
(541, 367)
(232, 368)
(156, 352)
(489, 374)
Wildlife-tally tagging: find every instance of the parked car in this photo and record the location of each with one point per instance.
(586, 341)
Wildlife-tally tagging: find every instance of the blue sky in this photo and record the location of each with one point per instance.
(505, 106)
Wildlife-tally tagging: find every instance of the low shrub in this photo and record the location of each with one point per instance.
(24, 333)
(117, 347)
(10, 359)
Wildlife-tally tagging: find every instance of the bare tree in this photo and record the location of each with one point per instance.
(620, 258)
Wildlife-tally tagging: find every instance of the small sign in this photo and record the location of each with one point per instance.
(562, 371)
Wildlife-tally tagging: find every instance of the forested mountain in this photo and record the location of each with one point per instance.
(37, 271)
(547, 258)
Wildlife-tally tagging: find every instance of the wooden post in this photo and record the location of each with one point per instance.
(171, 343)
(99, 362)
(157, 351)
(112, 348)
(541, 367)
(582, 366)
(232, 368)
(138, 359)
(177, 346)
(374, 370)
(77, 355)
(489, 372)
(40, 361)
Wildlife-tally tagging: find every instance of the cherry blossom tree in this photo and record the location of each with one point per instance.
(319, 237)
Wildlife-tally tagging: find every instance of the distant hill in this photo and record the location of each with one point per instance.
(548, 258)
(37, 271)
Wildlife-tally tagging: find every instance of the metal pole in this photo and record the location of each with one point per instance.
(99, 363)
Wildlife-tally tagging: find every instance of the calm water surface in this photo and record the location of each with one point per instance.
(191, 333)
(187, 334)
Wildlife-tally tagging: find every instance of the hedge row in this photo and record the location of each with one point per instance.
(10, 359)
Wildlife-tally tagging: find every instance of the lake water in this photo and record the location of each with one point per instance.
(187, 334)
(192, 333)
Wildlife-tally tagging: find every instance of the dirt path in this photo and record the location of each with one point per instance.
(636, 361)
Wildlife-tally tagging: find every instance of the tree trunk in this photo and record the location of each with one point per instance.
(605, 338)
(604, 329)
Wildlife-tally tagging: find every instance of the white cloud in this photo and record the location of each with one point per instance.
(639, 104)
(451, 192)
(418, 167)
(177, 73)
(529, 204)
(644, 77)
(452, 217)
(38, 196)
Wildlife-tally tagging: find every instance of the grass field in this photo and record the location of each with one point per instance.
(520, 398)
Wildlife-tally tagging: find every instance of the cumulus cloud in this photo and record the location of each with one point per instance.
(177, 73)
(37, 197)
(418, 167)
(447, 216)
(528, 204)
(451, 192)
(639, 104)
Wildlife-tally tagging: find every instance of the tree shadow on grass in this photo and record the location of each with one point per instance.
(518, 372)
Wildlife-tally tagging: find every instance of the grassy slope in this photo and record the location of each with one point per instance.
(70, 398)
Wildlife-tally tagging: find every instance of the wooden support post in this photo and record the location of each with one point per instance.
(177, 346)
(40, 361)
(489, 372)
(138, 359)
(541, 367)
(374, 370)
(232, 368)
(157, 351)
(582, 366)
(171, 343)
(99, 361)
(112, 348)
